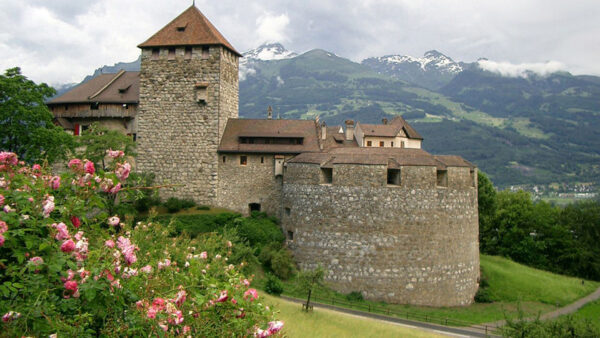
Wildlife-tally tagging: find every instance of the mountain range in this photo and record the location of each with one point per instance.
(530, 129)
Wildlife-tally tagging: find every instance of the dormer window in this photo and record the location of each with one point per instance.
(124, 90)
(181, 28)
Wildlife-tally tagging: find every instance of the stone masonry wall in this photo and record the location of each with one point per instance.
(255, 182)
(177, 136)
(413, 243)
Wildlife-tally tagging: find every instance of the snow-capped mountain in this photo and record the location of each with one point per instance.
(265, 52)
(433, 70)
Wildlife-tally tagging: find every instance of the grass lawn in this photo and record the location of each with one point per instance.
(512, 282)
(511, 285)
(591, 312)
(326, 323)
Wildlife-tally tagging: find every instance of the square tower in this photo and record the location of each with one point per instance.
(188, 91)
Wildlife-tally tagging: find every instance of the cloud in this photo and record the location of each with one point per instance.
(522, 69)
(272, 28)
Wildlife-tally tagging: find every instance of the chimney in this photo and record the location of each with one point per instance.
(384, 120)
(269, 113)
(323, 131)
(349, 130)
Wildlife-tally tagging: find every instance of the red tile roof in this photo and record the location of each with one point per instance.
(122, 87)
(236, 128)
(190, 28)
(391, 129)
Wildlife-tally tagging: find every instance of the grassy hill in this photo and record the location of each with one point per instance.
(511, 285)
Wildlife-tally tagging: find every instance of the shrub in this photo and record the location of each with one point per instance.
(174, 204)
(282, 264)
(355, 296)
(483, 295)
(273, 286)
(71, 268)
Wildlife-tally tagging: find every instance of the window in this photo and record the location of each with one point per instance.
(369, 143)
(205, 52)
(201, 93)
(243, 160)
(326, 175)
(442, 178)
(473, 180)
(155, 53)
(393, 177)
(381, 144)
(171, 55)
(224, 159)
(66, 107)
(262, 159)
(188, 53)
(288, 211)
(251, 140)
(181, 29)
(290, 235)
(94, 106)
(402, 144)
(133, 136)
(392, 145)
(254, 207)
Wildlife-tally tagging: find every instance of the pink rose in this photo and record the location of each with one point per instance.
(11, 315)
(3, 227)
(55, 182)
(67, 246)
(114, 221)
(75, 165)
(8, 158)
(1, 240)
(36, 167)
(115, 189)
(204, 255)
(246, 282)
(48, 206)
(37, 261)
(88, 167)
(110, 243)
(1, 200)
(252, 293)
(222, 297)
(71, 285)
(123, 170)
(146, 269)
(62, 232)
(115, 153)
(275, 327)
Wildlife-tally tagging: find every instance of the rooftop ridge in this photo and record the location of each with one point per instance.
(190, 28)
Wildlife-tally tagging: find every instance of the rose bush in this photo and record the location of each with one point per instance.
(70, 265)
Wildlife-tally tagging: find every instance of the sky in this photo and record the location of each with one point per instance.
(62, 41)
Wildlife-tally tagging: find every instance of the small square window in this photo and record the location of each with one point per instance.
(262, 159)
(392, 144)
(393, 177)
(94, 106)
(402, 144)
(243, 160)
(326, 175)
(381, 144)
(290, 235)
(288, 211)
(442, 178)
(224, 159)
(369, 143)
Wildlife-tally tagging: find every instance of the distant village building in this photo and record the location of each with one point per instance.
(383, 216)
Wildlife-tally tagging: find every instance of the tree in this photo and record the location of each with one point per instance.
(486, 198)
(26, 126)
(97, 139)
(309, 279)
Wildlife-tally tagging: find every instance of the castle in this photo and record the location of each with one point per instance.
(383, 216)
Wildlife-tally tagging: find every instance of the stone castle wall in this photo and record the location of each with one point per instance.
(177, 136)
(414, 243)
(255, 182)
